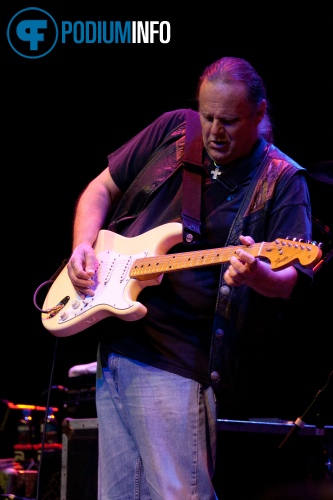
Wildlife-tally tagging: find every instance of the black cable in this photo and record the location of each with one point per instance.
(45, 421)
(51, 280)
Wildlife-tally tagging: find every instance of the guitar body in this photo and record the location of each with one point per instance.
(127, 265)
(115, 291)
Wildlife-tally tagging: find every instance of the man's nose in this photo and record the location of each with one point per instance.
(217, 128)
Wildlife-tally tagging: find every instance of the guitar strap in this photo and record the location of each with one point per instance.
(192, 178)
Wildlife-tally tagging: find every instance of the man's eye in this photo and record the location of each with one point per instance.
(230, 122)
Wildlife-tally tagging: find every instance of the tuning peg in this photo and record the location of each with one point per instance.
(319, 245)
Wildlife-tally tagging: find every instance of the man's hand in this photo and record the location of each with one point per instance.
(248, 270)
(244, 267)
(81, 269)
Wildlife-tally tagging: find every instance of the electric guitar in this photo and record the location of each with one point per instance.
(127, 265)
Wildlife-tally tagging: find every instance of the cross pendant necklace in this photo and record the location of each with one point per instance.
(216, 172)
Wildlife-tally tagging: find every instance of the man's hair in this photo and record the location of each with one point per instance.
(235, 69)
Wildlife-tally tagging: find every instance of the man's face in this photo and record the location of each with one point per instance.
(229, 128)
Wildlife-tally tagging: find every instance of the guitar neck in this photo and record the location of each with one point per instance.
(150, 267)
(280, 253)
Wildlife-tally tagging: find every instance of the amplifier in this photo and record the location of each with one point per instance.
(79, 459)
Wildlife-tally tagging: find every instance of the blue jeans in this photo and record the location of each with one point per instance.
(157, 434)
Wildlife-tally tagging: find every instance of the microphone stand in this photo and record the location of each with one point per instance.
(300, 422)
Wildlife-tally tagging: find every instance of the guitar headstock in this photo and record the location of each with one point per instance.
(285, 252)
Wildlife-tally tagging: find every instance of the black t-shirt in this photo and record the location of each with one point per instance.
(175, 334)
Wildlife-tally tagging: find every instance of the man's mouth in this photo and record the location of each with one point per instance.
(219, 145)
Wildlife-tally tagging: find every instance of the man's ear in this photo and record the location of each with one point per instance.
(261, 111)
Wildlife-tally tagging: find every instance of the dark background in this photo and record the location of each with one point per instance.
(64, 113)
